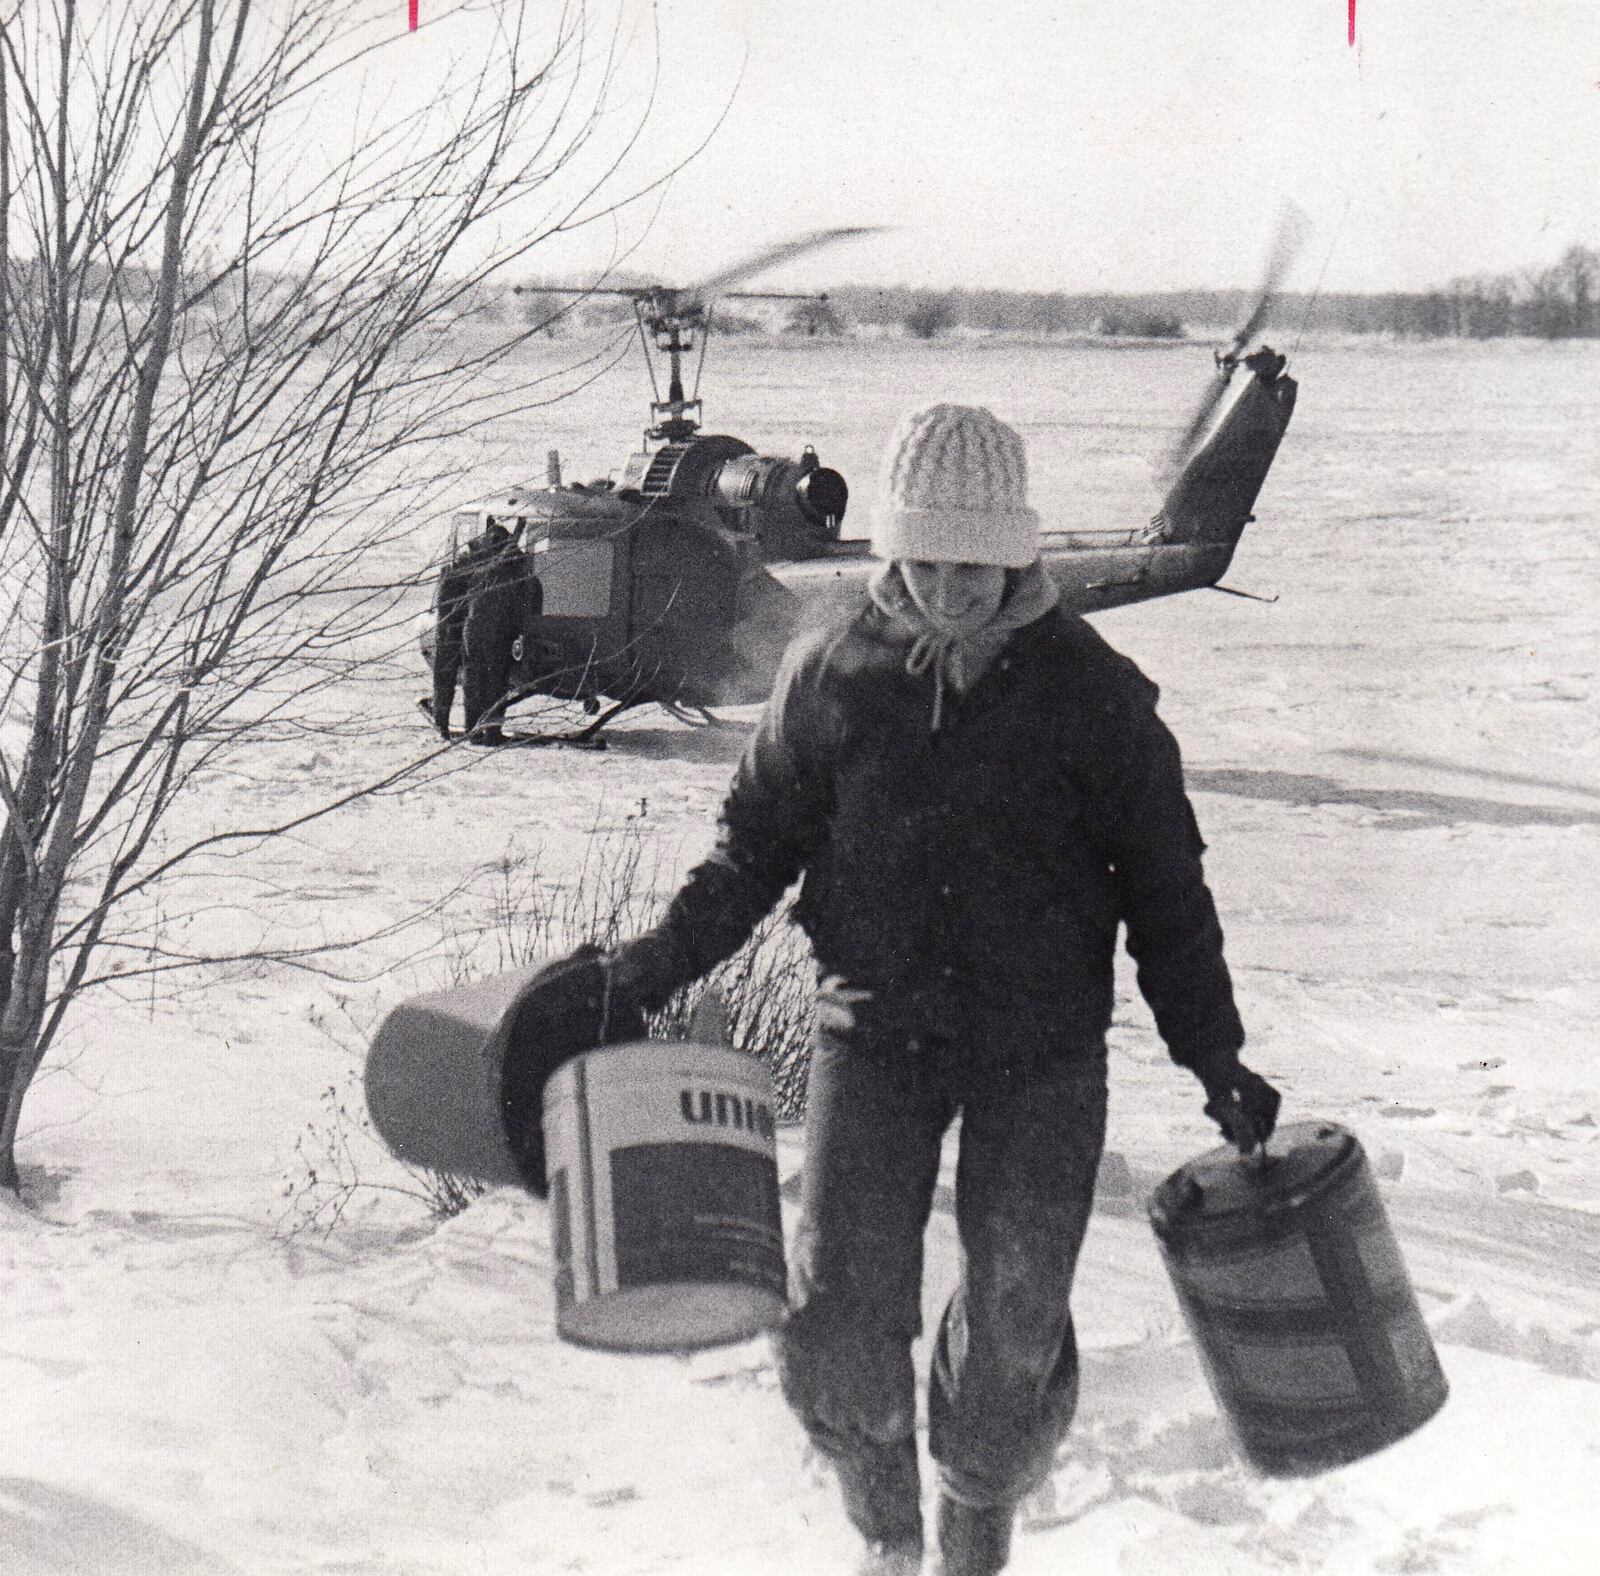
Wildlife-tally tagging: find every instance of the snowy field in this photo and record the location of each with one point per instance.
(1395, 766)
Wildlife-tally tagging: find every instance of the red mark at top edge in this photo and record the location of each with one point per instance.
(1351, 37)
(411, 13)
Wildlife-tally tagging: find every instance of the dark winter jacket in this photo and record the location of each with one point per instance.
(977, 873)
(483, 583)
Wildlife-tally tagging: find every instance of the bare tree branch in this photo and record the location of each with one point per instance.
(229, 357)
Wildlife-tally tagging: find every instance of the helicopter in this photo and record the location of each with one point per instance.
(682, 581)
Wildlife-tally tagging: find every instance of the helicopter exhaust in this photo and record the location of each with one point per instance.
(767, 483)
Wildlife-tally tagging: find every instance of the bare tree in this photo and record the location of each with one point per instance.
(1482, 307)
(1578, 279)
(230, 344)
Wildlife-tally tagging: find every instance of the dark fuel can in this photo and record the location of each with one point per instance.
(1298, 1299)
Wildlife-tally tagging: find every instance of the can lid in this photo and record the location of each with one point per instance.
(1221, 1182)
(636, 1060)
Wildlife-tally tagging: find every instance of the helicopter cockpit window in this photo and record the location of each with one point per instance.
(464, 525)
(575, 576)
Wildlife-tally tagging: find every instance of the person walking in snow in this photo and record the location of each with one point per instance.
(977, 792)
(480, 608)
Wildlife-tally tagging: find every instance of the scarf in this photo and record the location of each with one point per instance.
(959, 653)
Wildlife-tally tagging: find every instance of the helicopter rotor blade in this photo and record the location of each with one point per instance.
(770, 257)
(1290, 235)
(1287, 239)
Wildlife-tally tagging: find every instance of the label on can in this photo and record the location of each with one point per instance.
(696, 1212)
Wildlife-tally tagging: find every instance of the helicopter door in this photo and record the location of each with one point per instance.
(576, 577)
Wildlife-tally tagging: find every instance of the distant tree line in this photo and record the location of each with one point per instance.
(1558, 302)
(1561, 301)
(1553, 303)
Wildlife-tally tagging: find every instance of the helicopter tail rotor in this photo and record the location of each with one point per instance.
(1290, 235)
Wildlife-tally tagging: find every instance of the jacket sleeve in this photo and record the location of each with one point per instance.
(1149, 835)
(773, 820)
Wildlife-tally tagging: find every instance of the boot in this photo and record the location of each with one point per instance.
(883, 1499)
(483, 727)
(974, 1540)
(892, 1559)
(425, 704)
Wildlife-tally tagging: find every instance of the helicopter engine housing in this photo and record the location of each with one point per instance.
(793, 508)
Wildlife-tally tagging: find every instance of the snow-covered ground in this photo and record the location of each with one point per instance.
(1395, 767)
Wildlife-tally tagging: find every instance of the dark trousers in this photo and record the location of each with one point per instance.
(487, 673)
(1004, 1383)
(446, 669)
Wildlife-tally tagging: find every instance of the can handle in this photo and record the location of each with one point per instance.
(1253, 1155)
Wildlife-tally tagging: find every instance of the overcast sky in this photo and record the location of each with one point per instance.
(1109, 144)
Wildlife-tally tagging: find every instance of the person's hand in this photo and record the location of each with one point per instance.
(566, 1008)
(639, 975)
(589, 985)
(1243, 1104)
(574, 1004)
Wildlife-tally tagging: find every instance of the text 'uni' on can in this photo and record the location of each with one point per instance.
(1298, 1300)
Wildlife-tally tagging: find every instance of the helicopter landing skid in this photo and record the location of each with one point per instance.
(592, 736)
(694, 716)
(588, 737)
(583, 740)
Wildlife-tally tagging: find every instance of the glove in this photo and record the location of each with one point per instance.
(568, 1007)
(1243, 1104)
(644, 974)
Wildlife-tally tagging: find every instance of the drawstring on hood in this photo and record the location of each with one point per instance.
(959, 654)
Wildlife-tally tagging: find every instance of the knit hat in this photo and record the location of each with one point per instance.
(955, 490)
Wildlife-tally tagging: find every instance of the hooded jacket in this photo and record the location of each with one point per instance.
(971, 876)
